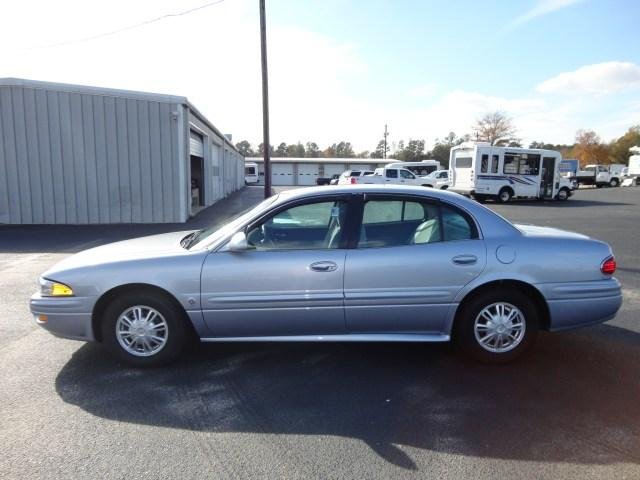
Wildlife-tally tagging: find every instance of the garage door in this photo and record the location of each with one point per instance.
(282, 174)
(360, 167)
(307, 173)
(331, 169)
(196, 144)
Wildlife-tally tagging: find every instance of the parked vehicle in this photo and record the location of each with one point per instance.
(600, 175)
(350, 176)
(631, 174)
(420, 169)
(502, 173)
(327, 180)
(251, 173)
(437, 179)
(392, 175)
(351, 263)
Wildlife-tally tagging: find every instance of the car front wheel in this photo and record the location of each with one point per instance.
(497, 327)
(144, 329)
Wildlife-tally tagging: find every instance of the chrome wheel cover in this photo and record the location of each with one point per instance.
(499, 327)
(142, 331)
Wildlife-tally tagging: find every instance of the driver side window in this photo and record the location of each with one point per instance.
(310, 226)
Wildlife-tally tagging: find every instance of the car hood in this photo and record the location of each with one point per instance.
(152, 246)
(536, 231)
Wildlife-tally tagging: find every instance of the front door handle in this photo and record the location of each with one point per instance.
(323, 266)
(464, 259)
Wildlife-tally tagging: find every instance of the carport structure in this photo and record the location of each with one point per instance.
(74, 154)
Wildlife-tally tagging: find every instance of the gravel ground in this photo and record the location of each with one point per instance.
(569, 410)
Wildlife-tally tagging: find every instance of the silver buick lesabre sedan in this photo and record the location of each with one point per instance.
(351, 263)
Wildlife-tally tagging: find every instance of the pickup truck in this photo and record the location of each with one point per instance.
(351, 176)
(438, 179)
(400, 176)
(600, 175)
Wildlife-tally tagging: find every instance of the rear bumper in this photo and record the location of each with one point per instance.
(578, 304)
(66, 317)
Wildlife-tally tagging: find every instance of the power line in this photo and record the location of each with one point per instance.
(134, 26)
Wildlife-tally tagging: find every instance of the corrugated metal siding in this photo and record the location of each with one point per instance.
(83, 158)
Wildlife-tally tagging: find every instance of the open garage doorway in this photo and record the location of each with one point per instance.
(196, 151)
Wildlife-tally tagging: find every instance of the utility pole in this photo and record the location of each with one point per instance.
(265, 103)
(386, 134)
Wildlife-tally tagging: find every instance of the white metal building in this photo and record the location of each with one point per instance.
(305, 171)
(80, 155)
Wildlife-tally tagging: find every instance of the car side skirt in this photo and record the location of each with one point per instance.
(355, 337)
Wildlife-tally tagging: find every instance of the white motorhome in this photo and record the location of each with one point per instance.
(251, 173)
(421, 169)
(502, 173)
(631, 173)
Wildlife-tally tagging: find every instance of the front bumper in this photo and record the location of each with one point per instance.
(578, 304)
(67, 317)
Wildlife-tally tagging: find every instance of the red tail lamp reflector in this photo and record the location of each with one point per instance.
(608, 267)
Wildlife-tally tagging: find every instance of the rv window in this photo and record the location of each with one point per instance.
(463, 162)
(494, 164)
(249, 170)
(529, 164)
(510, 163)
(484, 166)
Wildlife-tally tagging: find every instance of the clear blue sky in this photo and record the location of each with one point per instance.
(341, 69)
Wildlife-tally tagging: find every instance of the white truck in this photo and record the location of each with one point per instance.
(392, 175)
(421, 169)
(437, 179)
(631, 173)
(600, 175)
(351, 176)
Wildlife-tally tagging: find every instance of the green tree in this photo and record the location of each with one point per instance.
(295, 150)
(619, 149)
(363, 154)
(442, 148)
(345, 150)
(244, 147)
(380, 152)
(312, 150)
(281, 151)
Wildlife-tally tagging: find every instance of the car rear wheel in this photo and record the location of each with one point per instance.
(144, 329)
(497, 327)
(505, 195)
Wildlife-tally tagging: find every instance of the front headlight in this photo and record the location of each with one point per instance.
(50, 288)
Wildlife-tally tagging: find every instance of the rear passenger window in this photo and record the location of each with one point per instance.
(392, 223)
(494, 164)
(392, 174)
(457, 225)
(484, 164)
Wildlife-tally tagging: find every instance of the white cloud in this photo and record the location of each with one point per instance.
(542, 7)
(600, 78)
(427, 90)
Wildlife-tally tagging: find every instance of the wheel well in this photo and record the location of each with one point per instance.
(109, 296)
(507, 188)
(525, 288)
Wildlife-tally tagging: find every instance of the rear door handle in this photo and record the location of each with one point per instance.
(323, 266)
(464, 259)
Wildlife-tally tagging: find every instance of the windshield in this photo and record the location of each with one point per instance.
(206, 236)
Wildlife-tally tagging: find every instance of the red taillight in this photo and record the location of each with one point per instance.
(608, 267)
(353, 180)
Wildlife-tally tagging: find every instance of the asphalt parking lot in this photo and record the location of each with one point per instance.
(569, 410)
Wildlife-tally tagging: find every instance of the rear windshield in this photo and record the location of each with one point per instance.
(463, 162)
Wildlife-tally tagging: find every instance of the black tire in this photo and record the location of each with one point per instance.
(563, 195)
(505, 195)
(464, 335)
(480, 198)
(613, 182)
(177, 333)
(428, 186)
(444, 187)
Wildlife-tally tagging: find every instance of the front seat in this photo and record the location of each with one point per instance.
(427, 232)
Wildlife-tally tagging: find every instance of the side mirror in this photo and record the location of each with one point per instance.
(238, 243)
